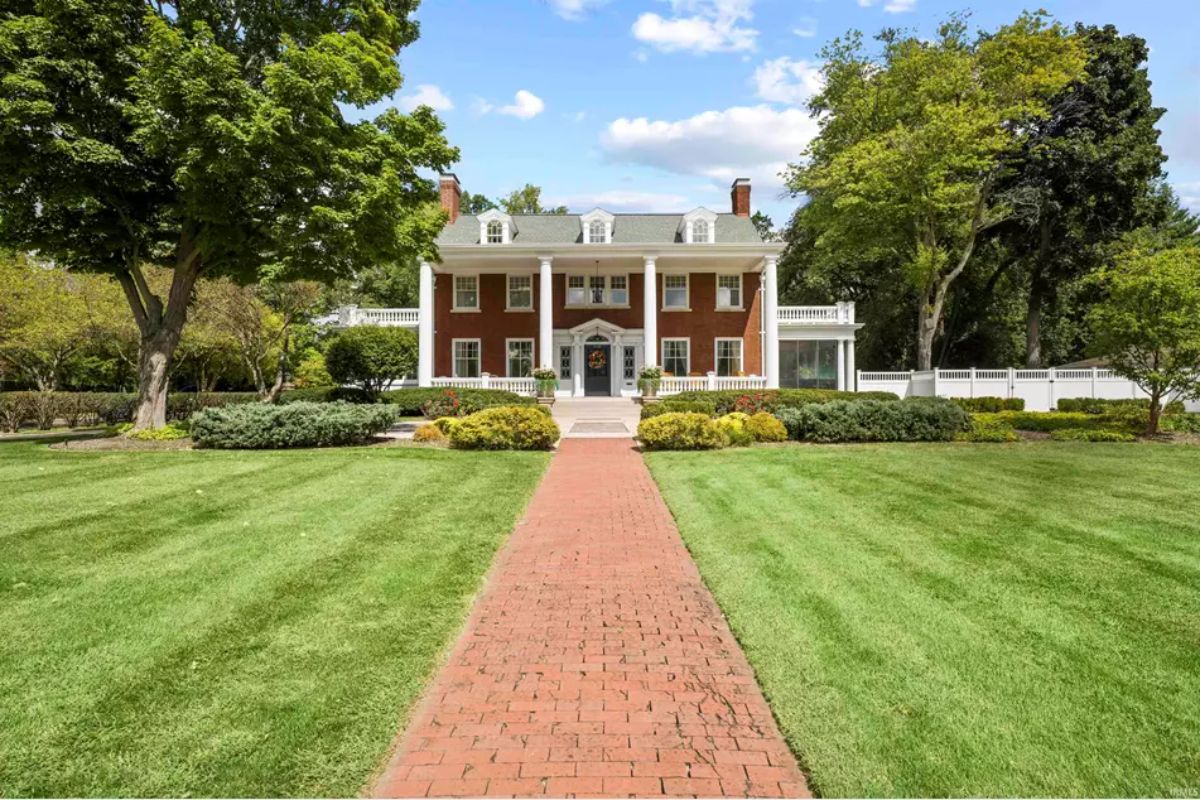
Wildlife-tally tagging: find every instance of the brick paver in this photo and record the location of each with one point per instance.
(595, 663)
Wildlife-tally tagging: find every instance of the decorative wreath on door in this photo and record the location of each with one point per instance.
(596, 359)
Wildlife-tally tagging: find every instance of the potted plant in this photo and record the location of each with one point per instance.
(648, 381)
(547, 382)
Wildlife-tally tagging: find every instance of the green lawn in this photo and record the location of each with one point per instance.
(963, 619)
(231, 624)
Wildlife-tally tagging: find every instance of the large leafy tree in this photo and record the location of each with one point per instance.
(209, 136)
(914, 144)
(1148, 324)
(1086, 173)
(528, 200)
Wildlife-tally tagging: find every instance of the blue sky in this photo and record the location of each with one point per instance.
(656, 105)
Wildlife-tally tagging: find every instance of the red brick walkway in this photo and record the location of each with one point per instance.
(596, 663)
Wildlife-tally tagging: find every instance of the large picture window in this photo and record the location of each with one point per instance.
(729, 357)
(466, 358)
(520, 358)
(675, 291)
(520, 291)
(729, 291)
(808, 364)
(676, 358)
(466, 292)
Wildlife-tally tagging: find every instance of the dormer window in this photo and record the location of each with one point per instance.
(496, 227)
(597, 226)
(699, 227)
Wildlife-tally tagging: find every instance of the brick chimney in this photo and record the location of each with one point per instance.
(739, 193)
(451, 192)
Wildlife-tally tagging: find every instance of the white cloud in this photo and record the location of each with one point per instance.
(1189, 194)
(525, 105)
(574, 9)
(427, 94)
(623, 200)
(806, 28)
(699, 26)
(578, 116)
(755, 142)
(899, 6)
(782, 80)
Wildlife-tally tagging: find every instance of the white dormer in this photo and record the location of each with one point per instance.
(597, 226)
(699, 226)
(496, 227)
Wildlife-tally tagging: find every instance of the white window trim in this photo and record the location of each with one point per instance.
(687, 288)
(454, 356)
(508, 306)
(507, 358)
(688, 226)
(454, 293)
(506, 223)
(596, 215)
(741, 297)
(662, 352)
(741, 352)
(587, 291)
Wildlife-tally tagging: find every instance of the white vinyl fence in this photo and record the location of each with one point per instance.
(1041, 389)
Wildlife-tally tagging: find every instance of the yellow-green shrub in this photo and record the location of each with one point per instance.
(680, 431)
(765, 427)
(429, 433)
(444, 424)
(505, 428)
(733, 427)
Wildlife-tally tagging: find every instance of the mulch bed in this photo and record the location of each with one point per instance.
(122, 443)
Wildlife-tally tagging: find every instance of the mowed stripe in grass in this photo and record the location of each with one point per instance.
(231, 624)
(960, 619)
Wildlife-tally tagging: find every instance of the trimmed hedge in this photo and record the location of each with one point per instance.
(263, 426)
(672, 405)
(733, 427)
(988, 431)
(327, 394)
(766, 428)
(429, 432)
(410, 402)
(1091, 435)
(79, 409)
(989, 405)
(680, 431)
(505, 428)
(1039, 421)
(726, 400)
(1092, 405)
(912, 420)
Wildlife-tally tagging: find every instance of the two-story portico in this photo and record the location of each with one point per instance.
(597, 296)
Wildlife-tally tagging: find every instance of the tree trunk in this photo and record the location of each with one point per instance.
(153, 364)
(1155, 413)
(280, 370)
(1038, 292)
(926, 329)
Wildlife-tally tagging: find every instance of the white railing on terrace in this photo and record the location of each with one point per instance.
(710, 382)
(518, 385)
(840, 314)
(349, 316)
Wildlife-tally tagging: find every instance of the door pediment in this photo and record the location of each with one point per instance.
(596, 326)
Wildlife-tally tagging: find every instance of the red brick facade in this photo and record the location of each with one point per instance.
(493, 324)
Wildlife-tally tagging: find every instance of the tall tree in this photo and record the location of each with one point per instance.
(913, 145)
(764, 226)
(528, 200)
(210, 136)
(1085, 174)
(475, 203)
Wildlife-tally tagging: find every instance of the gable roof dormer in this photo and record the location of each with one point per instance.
(699, 226)
(597, 226)
(496, 227)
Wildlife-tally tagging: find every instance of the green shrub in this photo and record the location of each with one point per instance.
(672, 405)
(680, 431)
(912, 420)
(726, 400)
(262, 426)
(167, 433)
(1040, 421)
(81, 409)
(327, 394)
(410, 402)
(983, 430)
(372, 356)
(1094, 405)
(182, 405)
(444, 424)
(766, 427)
(505, 428)
(989, 405)
(1182, 423)
(429, 432)
(13, 410)
(1091, 435)
(733, 427)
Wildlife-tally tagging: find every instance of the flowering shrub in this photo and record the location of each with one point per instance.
(751, 403)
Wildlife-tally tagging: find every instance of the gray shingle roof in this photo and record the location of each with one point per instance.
(627, 229)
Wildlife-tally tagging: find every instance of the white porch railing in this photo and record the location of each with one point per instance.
(710, 382)
(840, 314)
(349, 316)
(518, 385)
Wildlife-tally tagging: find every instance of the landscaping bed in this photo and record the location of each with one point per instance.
(950, 620)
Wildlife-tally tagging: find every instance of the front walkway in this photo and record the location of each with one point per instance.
(596, 417)
(595, 662)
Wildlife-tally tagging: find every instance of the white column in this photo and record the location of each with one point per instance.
(771, 324)
(650, 313)
(841, 371)
(851, 375)
(577, 367)
(545, 314)
(425, 327)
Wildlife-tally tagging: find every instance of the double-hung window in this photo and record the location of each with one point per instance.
(596, 287)
(466, 292)
(676, 360)
(520, 358)
(729, 357)
(466, 358)
(675, 291)
(564, 362)
(618, 290)
(576, 290)
(729, 291)
(520, 292)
